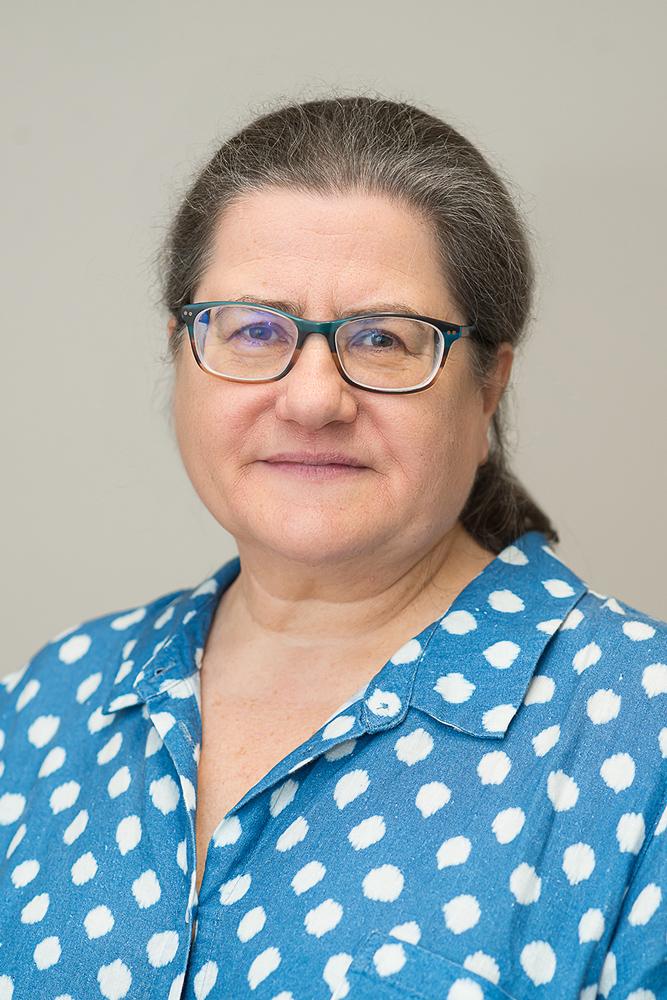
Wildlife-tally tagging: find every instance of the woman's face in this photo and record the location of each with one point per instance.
(331, 255)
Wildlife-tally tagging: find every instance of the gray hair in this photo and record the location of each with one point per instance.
(371, 144)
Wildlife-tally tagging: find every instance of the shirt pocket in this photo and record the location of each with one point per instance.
(386, 968)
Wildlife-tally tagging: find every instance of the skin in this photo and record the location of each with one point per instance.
(339, 572)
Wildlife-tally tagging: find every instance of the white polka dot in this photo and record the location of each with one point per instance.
(484, 965)
(409, 931)
(525, 884)
(176, 988)
(12, 805)
(64, 796)
(385, 704)
(506, 601)
(205, 980)
(83, 869)
(235, 889)
(47, 953)
(465, 989)
(53, 761)
(540, 690)
(454, 851)
(161, 948)
(414, 747)
(262, 966)
(454, 688)
(654, 679)
(645, 905)
(494, 767)
(603, 706)
(458, 623)
(586, 657)
(131, 618)
(88, 687)
(431, 797)
(24, 873)
(558, 588)
(350, 787)
(146, 889)
(35, 910)
(294, 834)
(384, 884)
(578, 862)
(389, 959)
(513, 556)
(110, 748)
(98, 921)
(16, 840)
(128, 834)
(407, 653)
(115, 980)
(572, 619)
(6, 988)
(461, 913)
(607, 979)
(591, 925)
(323, 918)
(562, 790)
(497, 719)
(308, 876)
(43, 729)
(630, 832)
(546, 740)
(251, 923)
(502, 655)
(73, 649)
(618, 771)
(228, 832)
(538, 961)
(338, 727)
(550, 625)
(164, 794)
(508, 824)
(366, 833)
(662, 741)
(27, 694)
(638, 631)
(76, 827)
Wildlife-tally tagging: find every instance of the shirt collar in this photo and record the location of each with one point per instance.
(469, 669)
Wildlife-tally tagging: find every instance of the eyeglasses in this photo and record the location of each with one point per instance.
(381, 352)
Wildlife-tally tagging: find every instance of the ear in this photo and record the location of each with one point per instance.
(171, 327)
(498, 379)
(492, 392)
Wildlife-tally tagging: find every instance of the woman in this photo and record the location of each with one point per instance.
(395, 747)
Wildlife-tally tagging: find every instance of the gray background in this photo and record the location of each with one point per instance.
(113, 107)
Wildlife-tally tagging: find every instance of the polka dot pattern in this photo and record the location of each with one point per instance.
(484, 818)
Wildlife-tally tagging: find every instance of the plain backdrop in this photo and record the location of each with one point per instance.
(110, 109)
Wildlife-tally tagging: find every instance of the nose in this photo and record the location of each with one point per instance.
(313, 392)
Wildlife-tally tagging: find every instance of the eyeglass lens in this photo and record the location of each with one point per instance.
(381, 352)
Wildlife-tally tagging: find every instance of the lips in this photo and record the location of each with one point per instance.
(321, 458)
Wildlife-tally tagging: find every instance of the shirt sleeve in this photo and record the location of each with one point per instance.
(635, 965)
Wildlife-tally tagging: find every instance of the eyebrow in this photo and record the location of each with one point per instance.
(296, 308)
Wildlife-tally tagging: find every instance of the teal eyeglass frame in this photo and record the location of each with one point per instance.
(450, 332)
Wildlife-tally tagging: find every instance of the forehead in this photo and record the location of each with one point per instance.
(308, 248)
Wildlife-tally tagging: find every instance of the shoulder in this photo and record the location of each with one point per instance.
(602, 683)
(63, 674)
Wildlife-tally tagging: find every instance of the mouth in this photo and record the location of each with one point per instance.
(323, 471)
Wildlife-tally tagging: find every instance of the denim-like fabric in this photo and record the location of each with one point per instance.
(486, 820)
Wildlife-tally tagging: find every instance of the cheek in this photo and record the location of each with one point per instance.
(438, 459)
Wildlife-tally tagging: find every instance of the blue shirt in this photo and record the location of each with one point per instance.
(487, 820)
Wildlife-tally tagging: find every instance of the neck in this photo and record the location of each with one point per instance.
(327, 614)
